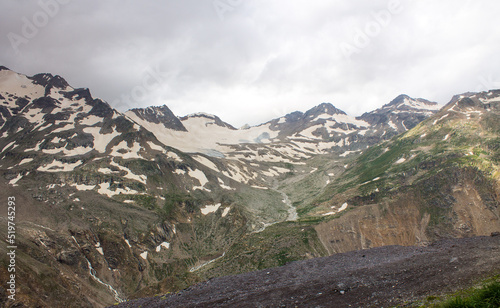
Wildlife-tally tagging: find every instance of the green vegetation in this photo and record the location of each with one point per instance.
(174, 201)
(145, 201)
(488, 296)
(277, 245)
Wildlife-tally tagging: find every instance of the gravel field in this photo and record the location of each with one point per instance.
(379, 277)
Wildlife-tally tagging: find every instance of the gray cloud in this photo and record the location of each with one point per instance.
(249, 61)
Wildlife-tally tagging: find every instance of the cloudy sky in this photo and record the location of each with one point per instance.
(254, 60)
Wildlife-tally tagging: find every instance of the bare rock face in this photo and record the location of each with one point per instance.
(460, 208)
(161, 114)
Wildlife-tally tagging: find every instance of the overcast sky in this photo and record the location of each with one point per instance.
(254, 60)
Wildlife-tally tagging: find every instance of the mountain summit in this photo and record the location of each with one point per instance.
(401, 114)
(158, 115)
(323, 109)
(213, 119)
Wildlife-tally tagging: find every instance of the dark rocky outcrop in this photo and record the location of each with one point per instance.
(160, 115)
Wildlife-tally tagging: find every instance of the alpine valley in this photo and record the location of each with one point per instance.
(112, 206)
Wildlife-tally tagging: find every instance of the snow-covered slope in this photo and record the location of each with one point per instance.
(204, 134)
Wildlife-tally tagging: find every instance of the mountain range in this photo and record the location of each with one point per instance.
(114, 206)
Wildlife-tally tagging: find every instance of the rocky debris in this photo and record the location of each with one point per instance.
(378, 277)
(69, 257)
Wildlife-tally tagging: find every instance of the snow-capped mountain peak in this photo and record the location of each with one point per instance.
(158, 115)
(404, 102)
(324, 109)
(401, 114)
(206, 119)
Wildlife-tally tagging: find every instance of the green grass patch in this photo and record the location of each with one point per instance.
(486, 297)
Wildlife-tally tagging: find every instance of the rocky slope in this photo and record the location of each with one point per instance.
(378, 277)
(439, 179)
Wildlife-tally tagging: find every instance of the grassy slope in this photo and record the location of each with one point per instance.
(485, 294)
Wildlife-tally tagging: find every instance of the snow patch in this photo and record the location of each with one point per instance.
(204, 161)
(174, 156)
(199, 175)
(224, 186)
(156, 147)
(83, 187)
(73, 152)
(400, 161)
(25, 161)
(58, 166)
(64, 128)
(226, 211)
(341, 209)
(105, 170)
(90, 120)
(346, 153)
(375, 179)
(101, 141)
(260, 187)
(210, 209)
(434, 123)
(124, 151)
(100, 250)
(392, 125)
(130, 175)
(105, 190)
(165, 245)
(8, 146)
(15, 180)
